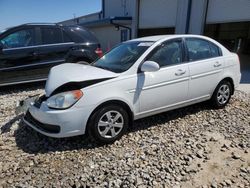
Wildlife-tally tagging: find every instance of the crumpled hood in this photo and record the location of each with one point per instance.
(74, 73)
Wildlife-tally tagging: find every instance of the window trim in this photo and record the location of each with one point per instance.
(197, 38)
(39, 46)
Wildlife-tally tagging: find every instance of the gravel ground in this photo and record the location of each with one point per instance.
(190, 147)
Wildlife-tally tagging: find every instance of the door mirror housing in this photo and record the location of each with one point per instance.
(150, 66)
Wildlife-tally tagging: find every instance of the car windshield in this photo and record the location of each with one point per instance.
(122, 57)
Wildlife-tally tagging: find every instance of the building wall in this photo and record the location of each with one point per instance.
(197, 16)
(108, 36)
(82, 19)
(220, 11)
(157, 13)
(166, 15)
(115, 8)
(118, 8)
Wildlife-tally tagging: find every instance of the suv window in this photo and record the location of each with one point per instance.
(168, 53)
(199, 49)
(20, 38)
(51, 35)
(66, 38)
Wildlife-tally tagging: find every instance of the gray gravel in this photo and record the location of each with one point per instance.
(191, 147)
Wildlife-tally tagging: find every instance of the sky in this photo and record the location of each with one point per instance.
(16, 12)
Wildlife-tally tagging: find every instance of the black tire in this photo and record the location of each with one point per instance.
(216, 101)
(94, 130)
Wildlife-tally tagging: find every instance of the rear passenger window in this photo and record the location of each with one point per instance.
(215, 51)
(51, 35)
(199, 49)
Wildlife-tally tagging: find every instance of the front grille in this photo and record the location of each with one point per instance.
(41, 126)
(39, 100)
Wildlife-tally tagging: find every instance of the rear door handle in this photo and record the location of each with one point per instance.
(217, 64)
(180, 72)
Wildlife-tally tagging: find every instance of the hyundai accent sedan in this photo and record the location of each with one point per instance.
(136, 79)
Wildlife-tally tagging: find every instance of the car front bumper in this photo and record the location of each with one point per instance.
(57, 123)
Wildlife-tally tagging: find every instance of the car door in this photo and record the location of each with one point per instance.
(18, 55)
(206, 67)
(168, 86)
(52, 49)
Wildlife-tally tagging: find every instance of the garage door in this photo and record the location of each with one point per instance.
(157, 13)
(220, 11)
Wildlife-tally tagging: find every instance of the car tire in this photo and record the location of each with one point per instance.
(222, 94)
(108, 124)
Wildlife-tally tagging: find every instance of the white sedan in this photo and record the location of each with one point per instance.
(136, 79)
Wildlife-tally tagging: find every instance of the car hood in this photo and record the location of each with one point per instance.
(71, 74)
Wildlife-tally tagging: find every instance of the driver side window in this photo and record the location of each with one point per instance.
(18, 39)
(169, 53)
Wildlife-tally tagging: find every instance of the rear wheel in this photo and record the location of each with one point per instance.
(222, 94)
(108, 124)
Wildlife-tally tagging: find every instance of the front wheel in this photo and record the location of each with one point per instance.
(108, 124)
(222, 94)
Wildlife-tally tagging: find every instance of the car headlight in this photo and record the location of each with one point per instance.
(64, 100)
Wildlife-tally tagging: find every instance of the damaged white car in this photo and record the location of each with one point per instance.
(138, 78)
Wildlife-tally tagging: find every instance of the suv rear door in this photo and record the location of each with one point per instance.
(53, 48)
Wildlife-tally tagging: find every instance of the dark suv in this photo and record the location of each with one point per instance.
(27, 52)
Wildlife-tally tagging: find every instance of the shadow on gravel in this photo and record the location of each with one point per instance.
(7, 126)
(33, 142)
(168, 116)
(22, 87)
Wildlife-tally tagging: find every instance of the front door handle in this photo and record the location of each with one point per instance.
(180, 72)
(217, 64)
(33, 54)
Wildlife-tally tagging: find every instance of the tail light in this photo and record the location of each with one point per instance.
(98, 51)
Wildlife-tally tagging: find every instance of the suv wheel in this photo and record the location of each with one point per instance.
(108, 124)
(222, 94)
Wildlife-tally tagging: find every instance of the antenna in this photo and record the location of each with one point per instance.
(74, 17)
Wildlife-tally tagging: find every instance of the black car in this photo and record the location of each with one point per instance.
(27, 52)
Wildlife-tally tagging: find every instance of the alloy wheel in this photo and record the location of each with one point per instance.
(223, 94)
(110, 124)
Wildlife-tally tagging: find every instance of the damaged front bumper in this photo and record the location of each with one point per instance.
(57, 123)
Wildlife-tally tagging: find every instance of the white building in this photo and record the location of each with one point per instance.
(227, 21)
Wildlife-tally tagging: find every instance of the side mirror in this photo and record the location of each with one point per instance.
(150, 66)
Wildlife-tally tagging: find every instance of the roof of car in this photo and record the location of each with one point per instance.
(152, 38)
(40, 24)
(160, 37)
